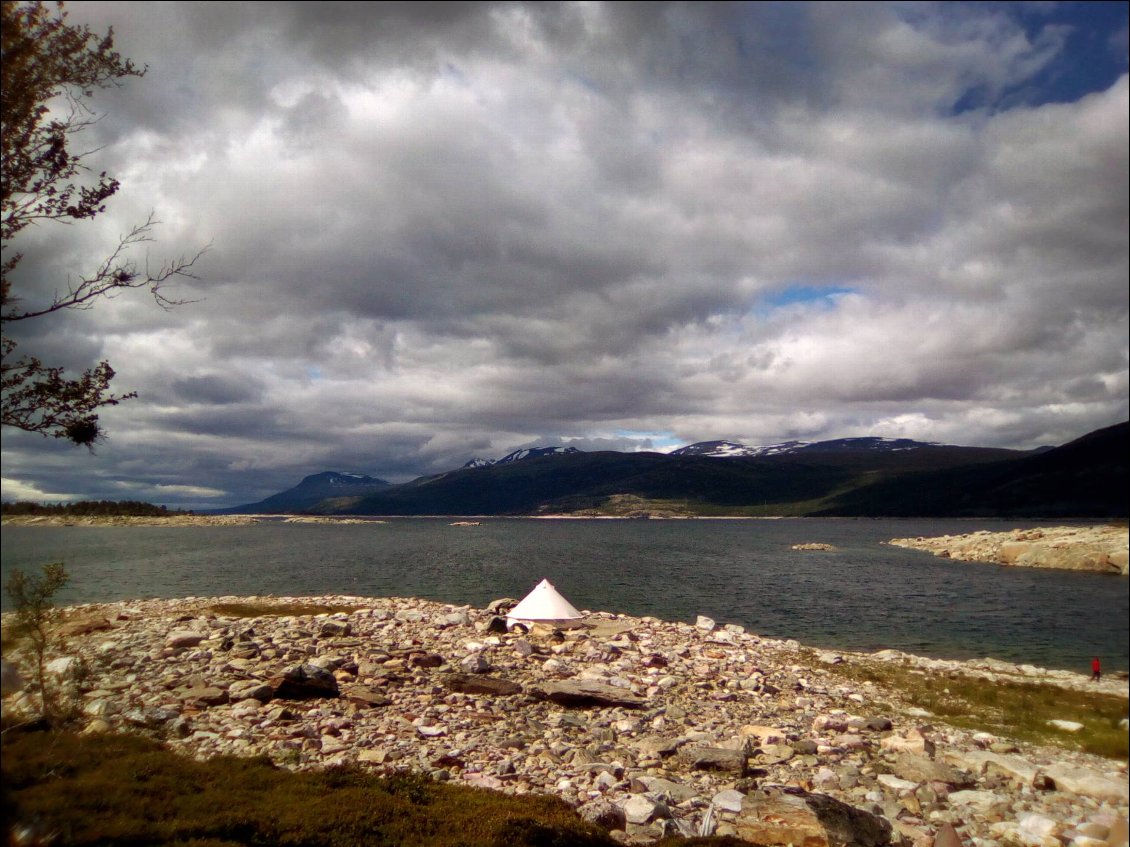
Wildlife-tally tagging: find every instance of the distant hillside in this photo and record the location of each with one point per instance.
(844, 477)
(310, 492)
(1085, 478)
(796, 482)
(583, 480)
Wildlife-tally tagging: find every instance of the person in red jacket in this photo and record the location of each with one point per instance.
(1096, 669)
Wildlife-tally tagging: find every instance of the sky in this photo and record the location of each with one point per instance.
(438, 231)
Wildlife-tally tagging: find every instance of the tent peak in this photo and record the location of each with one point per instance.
(543, 603)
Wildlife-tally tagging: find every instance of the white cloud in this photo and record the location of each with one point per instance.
(13, 490)
(446, 234)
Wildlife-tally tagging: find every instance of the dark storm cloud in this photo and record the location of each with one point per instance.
(448, 230)
(216, 389)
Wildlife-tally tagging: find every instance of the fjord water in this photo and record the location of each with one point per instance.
(863, 596)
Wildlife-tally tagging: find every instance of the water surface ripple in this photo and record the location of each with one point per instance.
(863, 596)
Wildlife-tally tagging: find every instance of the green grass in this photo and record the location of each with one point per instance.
(1015, 710)
(122, 790)
(798, 509)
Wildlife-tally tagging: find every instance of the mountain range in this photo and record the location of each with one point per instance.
(844, 477)
(519, 455)
(314, 489)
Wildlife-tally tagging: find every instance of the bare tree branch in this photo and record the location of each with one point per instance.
(45, 59)
(116, 273)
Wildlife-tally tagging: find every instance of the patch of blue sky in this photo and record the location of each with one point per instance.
(659, 441)
(819, 295)
(1093, 57)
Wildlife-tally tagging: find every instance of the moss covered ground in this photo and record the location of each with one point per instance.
(125, 791)
(1010, 709)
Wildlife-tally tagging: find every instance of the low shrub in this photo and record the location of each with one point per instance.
(125, 790)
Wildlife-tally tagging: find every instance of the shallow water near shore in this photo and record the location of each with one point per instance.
(862, 596)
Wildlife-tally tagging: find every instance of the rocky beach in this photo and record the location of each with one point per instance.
(647, 727)
(1102, 549)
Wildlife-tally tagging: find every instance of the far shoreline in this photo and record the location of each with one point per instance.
(254, 519)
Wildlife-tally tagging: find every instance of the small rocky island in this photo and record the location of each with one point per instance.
(1077, 548)
(647, 727)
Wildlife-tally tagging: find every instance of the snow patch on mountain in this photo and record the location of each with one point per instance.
(872, 444)
(731, 449)
(341, 478)
(520, 455)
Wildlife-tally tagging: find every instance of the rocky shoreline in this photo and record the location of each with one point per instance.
(648, 727)
(1101, 549)
(129, 520)
(175, 520)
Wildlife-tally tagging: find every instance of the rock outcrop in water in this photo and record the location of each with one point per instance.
(1076, 548)
(648, 727)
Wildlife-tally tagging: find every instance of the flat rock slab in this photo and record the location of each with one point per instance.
(978, 762)
(728, 800)
(814, 820)
(204, 695)
(773, 754)
(656, 745)
(921, 769)
(250, 689)
(83, 626)
(976, 799)
(676, 791)
(366, 696)
(425, 660)
(465, 683)
(586, 693)
(714, 759)
(1089, 783)
(182, 638)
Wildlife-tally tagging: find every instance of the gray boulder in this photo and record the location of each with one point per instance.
(475, 663)
(604, 813)
(304, 682)
(334, 629)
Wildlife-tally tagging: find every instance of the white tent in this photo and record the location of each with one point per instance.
(542, 604)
